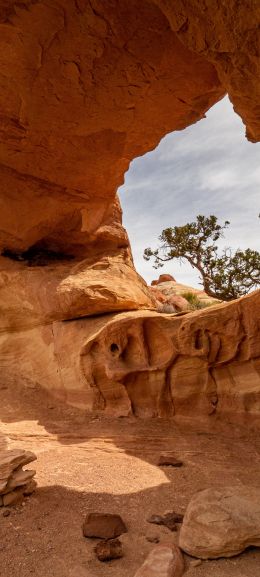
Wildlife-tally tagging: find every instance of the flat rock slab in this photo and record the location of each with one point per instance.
(103, 526)
(221, 523)
(168, 460)
(162, 561)
(10, 461)
(108, 550)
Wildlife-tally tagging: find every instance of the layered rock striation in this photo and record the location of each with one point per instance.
(14, 481)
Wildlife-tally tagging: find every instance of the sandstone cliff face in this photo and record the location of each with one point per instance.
(75, 82)
(39, 295)
(145, 363)
(85, 87)
(76, 78)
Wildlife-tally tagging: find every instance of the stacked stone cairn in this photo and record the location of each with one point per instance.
(15, 483)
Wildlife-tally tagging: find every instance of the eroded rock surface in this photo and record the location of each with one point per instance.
(14, 481)
(145, 363)
(85, 88)
(221, 522)
(159, 365)
(75, 79)
(41, 294)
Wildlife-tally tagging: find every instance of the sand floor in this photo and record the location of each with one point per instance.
(87, 463)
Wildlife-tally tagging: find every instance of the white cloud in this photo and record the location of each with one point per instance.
(209, 168)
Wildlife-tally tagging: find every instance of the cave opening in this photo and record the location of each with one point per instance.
(39, 254)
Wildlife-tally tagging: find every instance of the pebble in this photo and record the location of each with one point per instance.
(109, 549)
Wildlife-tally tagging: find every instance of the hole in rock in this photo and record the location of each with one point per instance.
(208, 169)
(199, 339)
(114, 348)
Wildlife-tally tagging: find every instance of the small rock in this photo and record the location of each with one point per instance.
(168, 460)
(169, 520)
(6, 513)
(108, 550)
(162, 561)
(103, 526)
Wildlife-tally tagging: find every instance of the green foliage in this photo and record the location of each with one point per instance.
(194, 301)
(224, 277)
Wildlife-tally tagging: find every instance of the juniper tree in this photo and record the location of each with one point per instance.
(224, 276)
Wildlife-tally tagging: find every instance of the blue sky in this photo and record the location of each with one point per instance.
(208, 168)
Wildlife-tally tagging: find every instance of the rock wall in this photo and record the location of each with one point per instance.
(76, 78)
(85, 87)
(145, 363)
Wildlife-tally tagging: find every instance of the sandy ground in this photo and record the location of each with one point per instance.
(96, 464)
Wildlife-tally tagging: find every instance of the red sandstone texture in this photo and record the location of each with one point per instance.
(145, 363)
(76, 80)
(85, 87)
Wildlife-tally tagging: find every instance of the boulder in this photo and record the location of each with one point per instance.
(166, 278)
(103, 526)
(178, 302)
(162, 561)
(221, 522)
(158, 295)
(176, 294)
(168, 302)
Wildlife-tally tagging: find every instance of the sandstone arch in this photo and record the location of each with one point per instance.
(86, 86)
